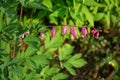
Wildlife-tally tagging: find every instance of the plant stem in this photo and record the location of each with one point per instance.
(21, 12)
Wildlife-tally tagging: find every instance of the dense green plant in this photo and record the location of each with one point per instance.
(26, 55)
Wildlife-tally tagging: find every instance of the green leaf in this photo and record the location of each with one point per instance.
(65, 51)
(108, 2)
(48, 4)
(114, 64)
(47, 39)
(58, 13)
(52, 71)
(78, 22)
(53, 20)
(98, 16)
(77, 61)
(49, 54)
(32, 41)
(6, 46)
(60, 3)
(76, 56)
(72, 14)
(30, 76)
(34, 4)
(22, 2)
(16, 60)
(95, 10)
(40, 60)
(107, 19)
(77, 6)
(29, 51)
(68, 66)
(44, 70)
(60, 76)
(30, 64)
(11, 29)
(55, 42)
(69, 3)
(90, 2)
(41, 15)
(88, 15)
(17, 71)
(1, 26)
(71, 22)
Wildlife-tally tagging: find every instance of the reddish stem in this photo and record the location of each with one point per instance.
(21, 12)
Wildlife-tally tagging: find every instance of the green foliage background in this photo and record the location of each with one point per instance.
(59, 57)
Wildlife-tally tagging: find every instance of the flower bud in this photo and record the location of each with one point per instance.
(21, 36)
(73, 32)
(94, 31)
(97, 35)
(42, 36)
(53, 31)
(84, 31)
(26, 33)
(64, 29)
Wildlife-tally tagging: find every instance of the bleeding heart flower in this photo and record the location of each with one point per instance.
(21, 36)
(97, 35)
(64, 29)
(42, 36)
(53, 31)
(73, 32)
(84, 31)
(26, 33)
(94, 31)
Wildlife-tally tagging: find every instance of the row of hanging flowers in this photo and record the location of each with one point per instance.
(73, 32)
